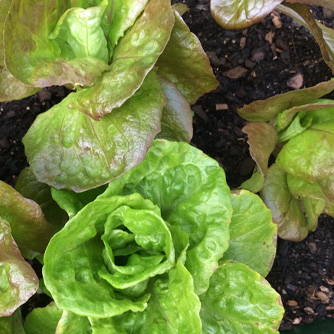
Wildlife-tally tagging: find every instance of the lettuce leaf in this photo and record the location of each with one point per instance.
(239, 300)
(79, 153)
(18, 281)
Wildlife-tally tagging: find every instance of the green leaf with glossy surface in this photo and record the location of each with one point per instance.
(73, 202)
(96, 262)
(255, 182)
(173, 308)
(71, 323)
(309, 155)
(252, 232)
(35, 59)
(79, 33)
(18, 281)
(67, 149)
(286, 209)
(266, 110)
(28, 225)
(43, 320)
(133, 59)
(236, 14)
(124, 15)
(177, 116)
(191, 191)
(185, 63)
(239, 300)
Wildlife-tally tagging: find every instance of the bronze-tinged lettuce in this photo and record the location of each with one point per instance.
(134, 68)
(298, 128)
(146, 255)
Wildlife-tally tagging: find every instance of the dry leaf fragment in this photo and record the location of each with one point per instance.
(236, 72)
(269, 37)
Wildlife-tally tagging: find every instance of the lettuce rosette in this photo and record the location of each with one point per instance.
(133, 67)
(149, 252)
(298, 129)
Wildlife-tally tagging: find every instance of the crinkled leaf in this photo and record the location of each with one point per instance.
(185, 63)
(252, 233)
(266, 110)
(71, 323)
(99, 264)
(286, 209)
(262, 139)
(309, 155)
(173, 308)
(177, 117)
(12, 324)
(28, 225)
(18, 281)
(29, 187)
(134, 56)
(124, 15)
(67, 149)
(35, 59)
(191, 191)
(239, 300)
(236, 14)
(43, 320)
(79, 33)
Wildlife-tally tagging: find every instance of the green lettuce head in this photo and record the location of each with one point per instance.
(147, 254)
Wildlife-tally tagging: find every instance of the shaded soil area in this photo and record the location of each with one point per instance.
(266, 59)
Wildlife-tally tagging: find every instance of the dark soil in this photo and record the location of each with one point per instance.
(250, 64)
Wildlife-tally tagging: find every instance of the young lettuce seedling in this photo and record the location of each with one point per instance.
(298, 129)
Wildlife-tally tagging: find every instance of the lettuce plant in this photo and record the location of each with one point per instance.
(235, 14)
(164, 248)
(298, 129)
(134, 68)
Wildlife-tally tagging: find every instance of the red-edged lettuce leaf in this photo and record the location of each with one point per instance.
(177, 116)
(18, 281)
(266, 110)
(35, 59)
(185, 63)
(236, 14)
(133, 58)
(28, 225)
(67, 149)
(10, 87)
(286, 209)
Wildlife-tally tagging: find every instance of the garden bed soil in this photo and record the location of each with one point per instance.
(272, 57)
